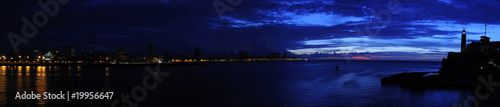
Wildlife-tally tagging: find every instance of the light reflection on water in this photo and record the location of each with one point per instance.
(40, 79)
(22, 81)
(20, 84)
(20, 78)
(41, 83)
(3, 85)
(255, 84)
(107, 71)
(78, 71)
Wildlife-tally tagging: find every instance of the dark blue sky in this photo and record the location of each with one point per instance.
(373, 29)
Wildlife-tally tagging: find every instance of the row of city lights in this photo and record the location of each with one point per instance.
(172, 60)
(230, 60)
(43, 58)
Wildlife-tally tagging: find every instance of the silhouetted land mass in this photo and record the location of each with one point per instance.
(465, 69)
(122, 58)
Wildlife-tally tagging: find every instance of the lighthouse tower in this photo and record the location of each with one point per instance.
(464, 43)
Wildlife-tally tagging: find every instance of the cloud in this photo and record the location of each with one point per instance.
(368, 44)
(238, 23)
(446, 1)
(258, 26)
(474, 30)
(377, 56)
(322, 19)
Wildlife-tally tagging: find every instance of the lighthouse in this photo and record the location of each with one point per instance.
(464, 43)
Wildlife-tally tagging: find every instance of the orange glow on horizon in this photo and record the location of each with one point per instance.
(344, 58)
(360, 58)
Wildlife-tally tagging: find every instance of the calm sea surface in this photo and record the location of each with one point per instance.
(254, 84)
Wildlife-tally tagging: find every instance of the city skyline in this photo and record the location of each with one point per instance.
(368, 30)
(70, 56)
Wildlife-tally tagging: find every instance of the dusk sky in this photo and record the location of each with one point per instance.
(399, 29)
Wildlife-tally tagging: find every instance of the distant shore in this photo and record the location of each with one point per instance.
(102, 64)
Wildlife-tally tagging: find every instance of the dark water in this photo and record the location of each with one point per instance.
(311, 83)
